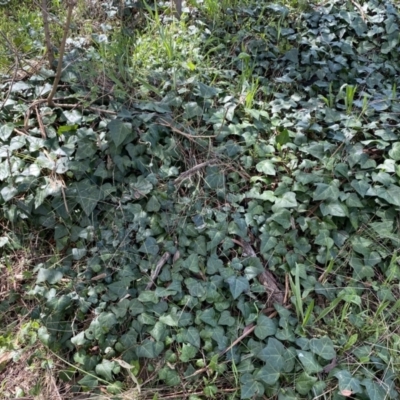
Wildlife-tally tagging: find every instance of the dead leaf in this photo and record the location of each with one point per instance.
(346, 392)
(6, 357)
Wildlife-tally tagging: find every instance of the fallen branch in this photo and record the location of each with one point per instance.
(191, 171)
(71, 4)
(157, 270)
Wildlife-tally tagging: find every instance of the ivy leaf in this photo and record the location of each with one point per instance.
(105, 369)
(192, 109)
(146, 350)
(169, 376)
(265, 327)
(361, 187)
(89, 382)
(150, 246)
(205, 92)
(267, 167)
(192, 336)
(87, 195)
(119, 131)
(188, 352)
(6, 130)
(192, 263)
(288, 200)
(226, 319)
(250, 387)
(274, 354)
(79, 339)
(8, 193)
(334, 208)
(304, 383)
(269, 374)
(347, 382)
(310, 364)
(326, 192)
(374, 390)
(237, 285)
(141, 187)
(390, 194)
(283, 137)
(394, 152)
(51, 276)
(323, 347)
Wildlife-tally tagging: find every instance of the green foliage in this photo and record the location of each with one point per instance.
(299, 161)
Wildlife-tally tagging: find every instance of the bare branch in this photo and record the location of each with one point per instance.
(71, 5)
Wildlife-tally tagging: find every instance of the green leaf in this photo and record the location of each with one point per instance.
(250, 387)
(208, 316)
(8, 193)
(87, 195)
(105, 369)
(374, 390)
(148, 296)
(188, 352)
(215, 179)
(267, 167)
(170, 319)
(282, 217)
(326, 192)
(334, 208)
(274, 354)
(79, 339)
(394, 152)
(169, 376)
(323, 347)
(206, 92)
(347, 382)
(6, 130)
(146, 350)
(391, 194)
(192, 109)
(269, 374)
(226, 319)
(141, 187)
(361, 187)
(265, 327)
(304, 383)
(237, 285)
(196, 288)
(283, 137)
(51, 276)
(150, 246)
(153, 205)
(288, 200)
(192, 336)
(119, 131)
(159, 331)
(89, 382)
(267, 243)
(192, 263)
(310, 364)
(115, 388)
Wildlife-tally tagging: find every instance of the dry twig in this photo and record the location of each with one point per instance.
(191, 171)
(157, 270)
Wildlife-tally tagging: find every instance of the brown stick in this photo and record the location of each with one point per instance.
(71, 5)
(155, 273)
(191, 171)
(166, 123)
